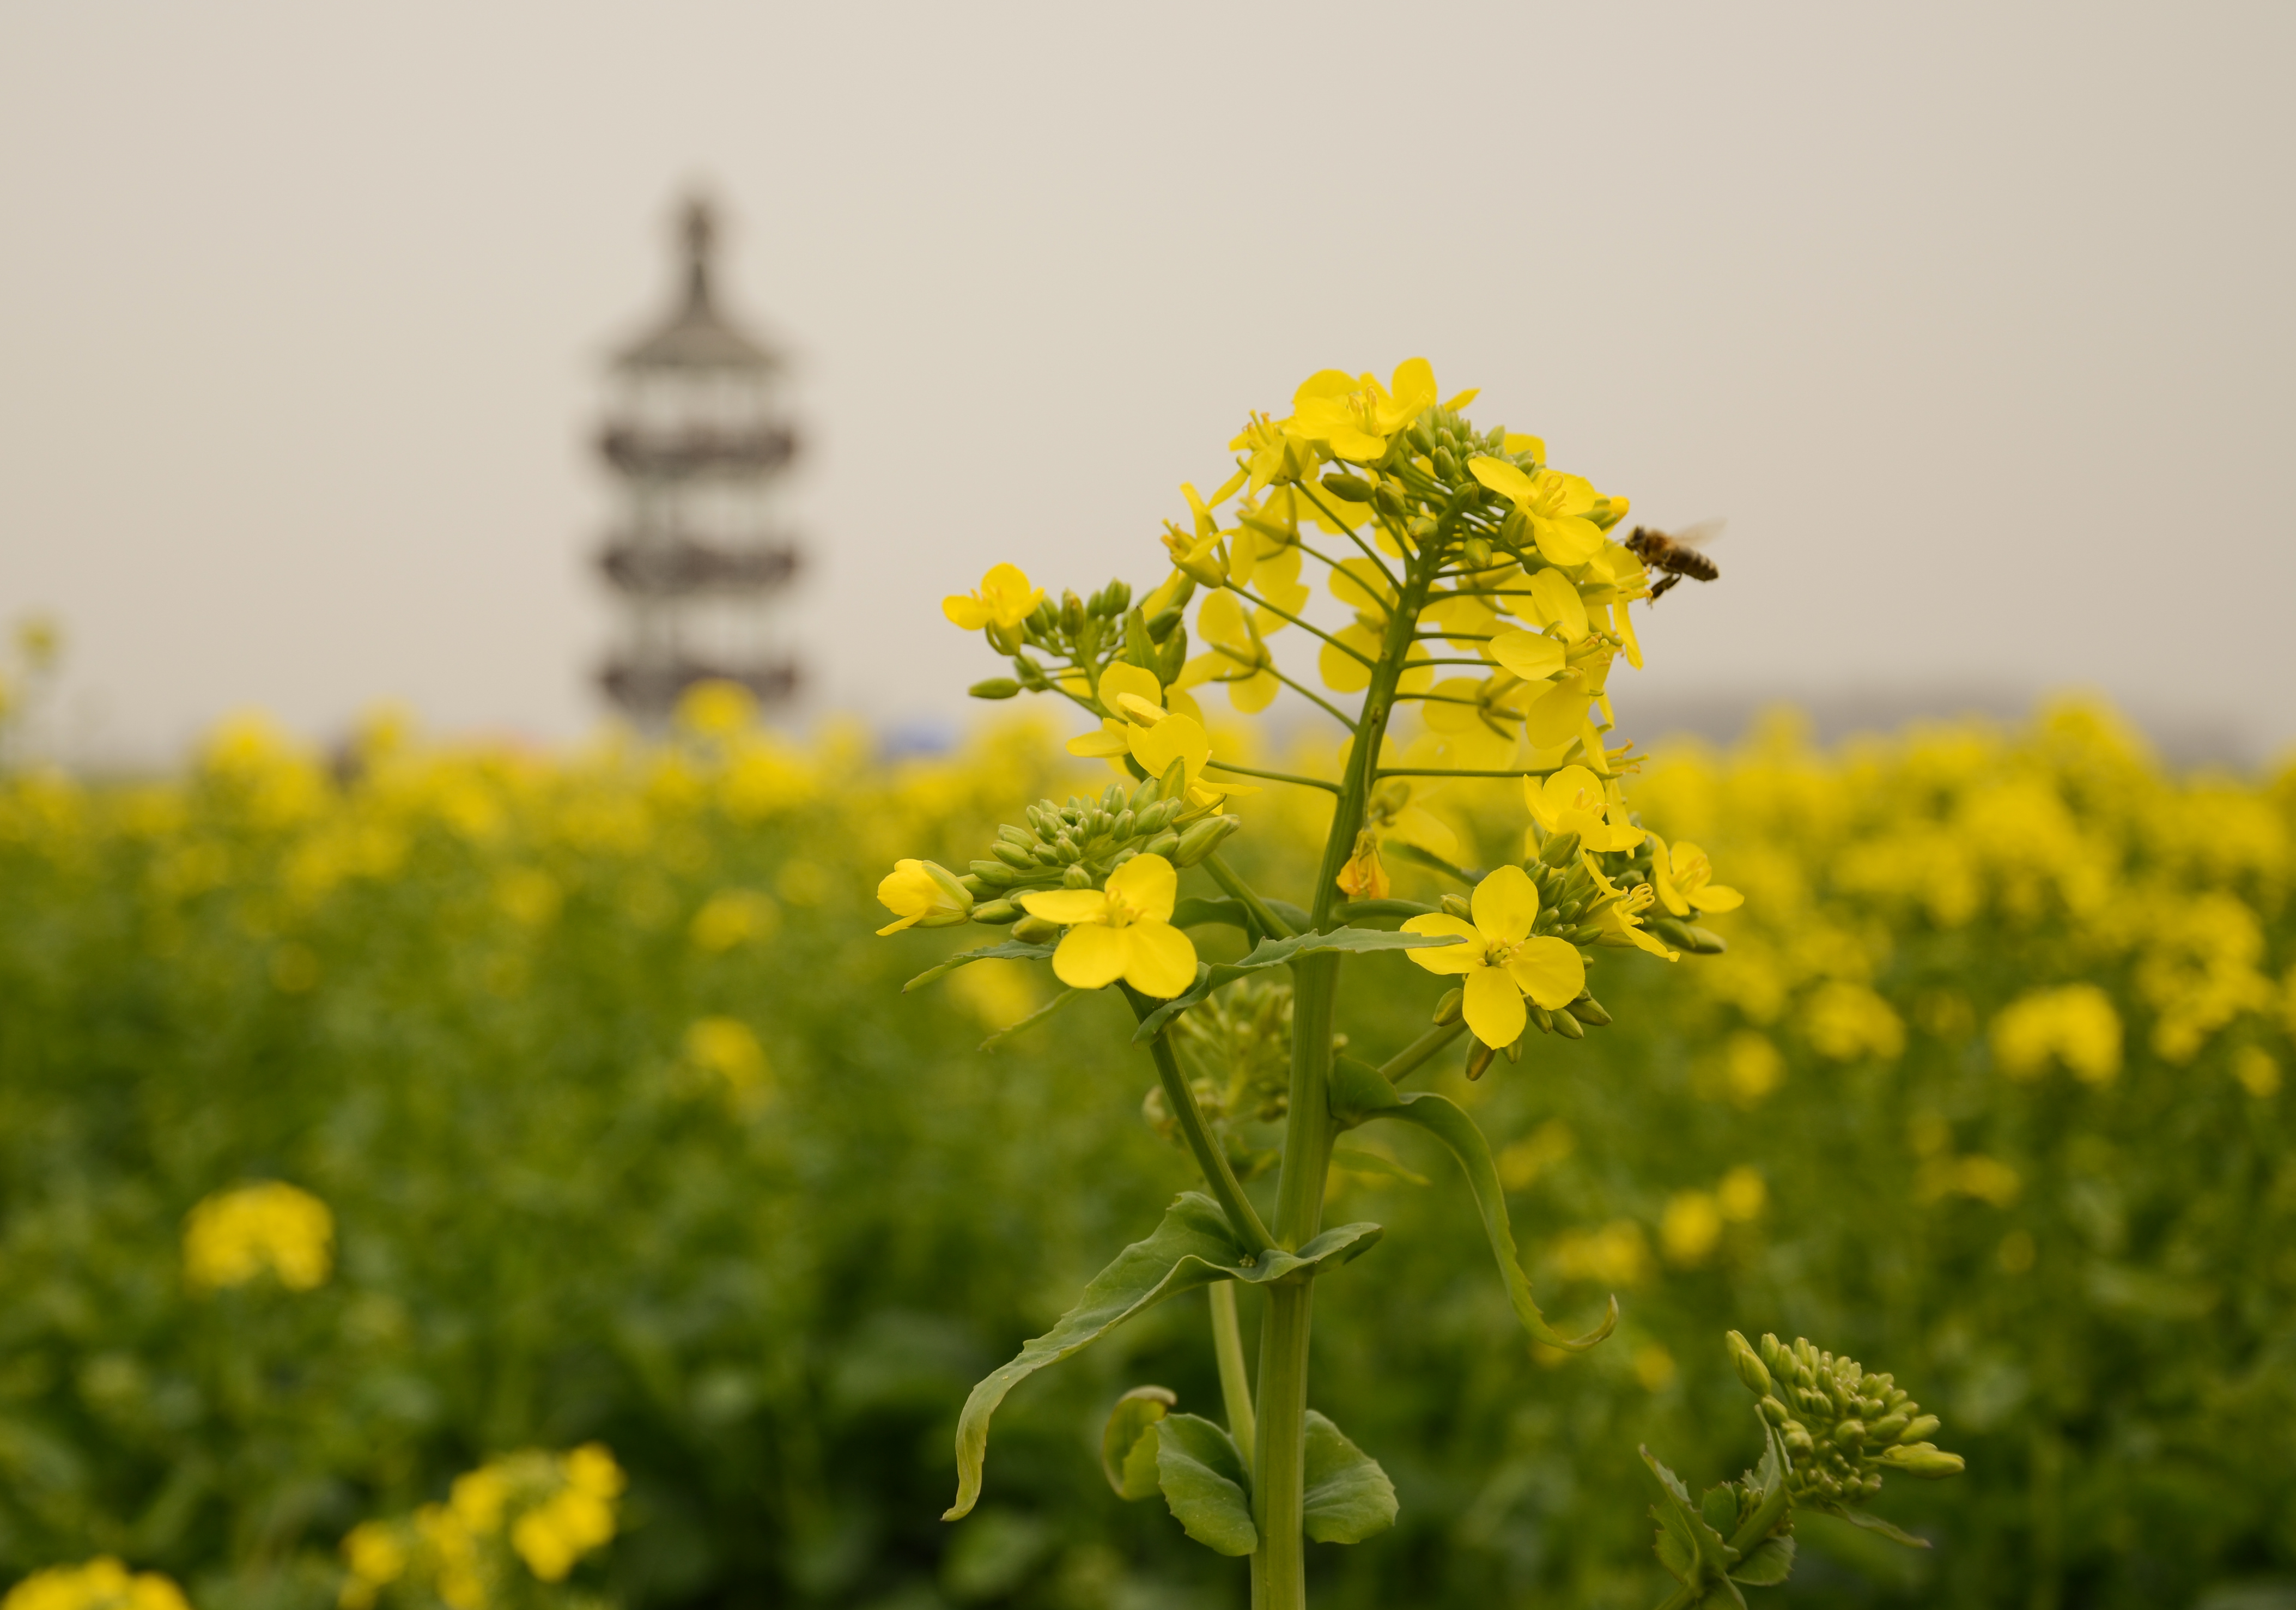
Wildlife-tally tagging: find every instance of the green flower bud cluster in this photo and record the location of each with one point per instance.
(1236, 1050)
(1088, 633)
(1841, 1427)
(1077, 845)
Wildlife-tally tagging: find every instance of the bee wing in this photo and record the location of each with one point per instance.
(1703, 535)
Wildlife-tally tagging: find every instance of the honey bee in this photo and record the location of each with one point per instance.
(1679, 555)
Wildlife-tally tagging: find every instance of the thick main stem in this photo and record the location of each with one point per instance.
(1279, 1567)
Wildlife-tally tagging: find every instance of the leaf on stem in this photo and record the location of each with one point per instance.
(1009, 950)
(1033, 1019)
(1359, 1093)
(1349, 1496)
(1691, 1551)
(1204, 1484)
(1192, 1247)
(1128, 1447)
(1275, 953)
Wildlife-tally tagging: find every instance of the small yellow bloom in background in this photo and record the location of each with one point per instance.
(579, 1518)
(1238, 658)
(2257, 1073)
(726, 1048)
(1654, 1367)
(922, 894)
(733, 916)
(1557, 505)
(1742, 1195)
(1500, 963)
(1690, 1227)
(1847, 1022)
(1751, 1067)
(236, 1236)
(102, 1583)
(1616, 1255)
(1684, 878)
(477, 1499)
(2074, 1027)
(1354, 415)
(1123, 931)
(716, 708)
(1004, 598)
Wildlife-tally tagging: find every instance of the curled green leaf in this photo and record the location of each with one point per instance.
(1127, 1438)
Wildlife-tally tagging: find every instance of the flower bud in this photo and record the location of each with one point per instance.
(1558, 849)
(1774, 1411)
(1514, 1049)
(1071, 613)
(1850, 1435)
(1749, 1364)
(995, 687)
(1455, 905)
(1888, 1428)
(1035, 930)
(1355, 488)
(1164, 844)
(1567, 1026)
(1013, 855)
(1448, 1010)
(1541, 1019)
(1447, 463)
(994, 875)
(1920, 1428)
(1672, 931)
(1705, 942)
(1479, 553)
(1119, 597)
(1514, 528)
(1479, 1058)
(1076, 877)
(1773, 1352)
(1202, 837)
(1589, 1011)
(996, 913)
(973, 886)
(1160, 627)
(1925, 1459)
(1388, 501)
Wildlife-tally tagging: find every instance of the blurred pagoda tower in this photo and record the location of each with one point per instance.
(699, 440)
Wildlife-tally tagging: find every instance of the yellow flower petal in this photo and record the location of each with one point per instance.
(1147, 886)
(1093, 956)
(1174, 738)
(967, 612)
(1067, 907)
(1493, 1008)
(1506, 905)
(1341, 671)
(1254, 693)
(1163, 961)
(1534, 656)
(1554, 601)
(1554, 717)
(1444, 715)
(1122, 677)
(1413, 385)
(1533, 445)
(1109, 739)
(1502, 477)
(1716, 897)
(1446, 958)
(1568, 541)
(1548, 970)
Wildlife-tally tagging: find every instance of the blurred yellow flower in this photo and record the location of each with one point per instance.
(1690, 1227)
(1123, 931)
(716, 708)
(1500, 962)
(727, 1048)
(733, 916)
(1004, 598)
(2074, 1026)
(233, 1236)
(102, 1583)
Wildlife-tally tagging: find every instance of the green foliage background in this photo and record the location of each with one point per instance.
(450, 999)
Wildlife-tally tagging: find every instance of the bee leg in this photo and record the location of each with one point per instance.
(1665, 582)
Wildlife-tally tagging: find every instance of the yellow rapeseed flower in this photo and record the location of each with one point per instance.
(1558, 506)
(1354, 415)
(922, 894)
(1123, 931)
(1685, 880)
(102, 1583)
(232, 1236)
(2075, 1026)
(1501, 962)
(1574, 800)
(1004, 598)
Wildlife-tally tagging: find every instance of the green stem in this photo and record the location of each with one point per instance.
(1420, 1050)
(1242, 1218)
(1273, 776)
(1236, 888)
(1236, 1380)
(1279, 1568)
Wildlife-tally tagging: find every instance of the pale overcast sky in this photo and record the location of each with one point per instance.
(1976, 321)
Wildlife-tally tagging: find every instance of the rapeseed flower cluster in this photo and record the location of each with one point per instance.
(271, 1228)
(102, 1583)
(527, 1516)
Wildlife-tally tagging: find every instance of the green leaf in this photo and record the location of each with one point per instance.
(1718, 1509)
(1032, 1020)
(1197, 910)
(1204, 1484)
(1127, 1437)
(1349, 1496)
(1008, 950)
(1875, 1522)
(1192, 1247)
(1449, 1124)
(1277, 953)
(1372, 1164)
(1691, 1549)
(1766, 1565)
